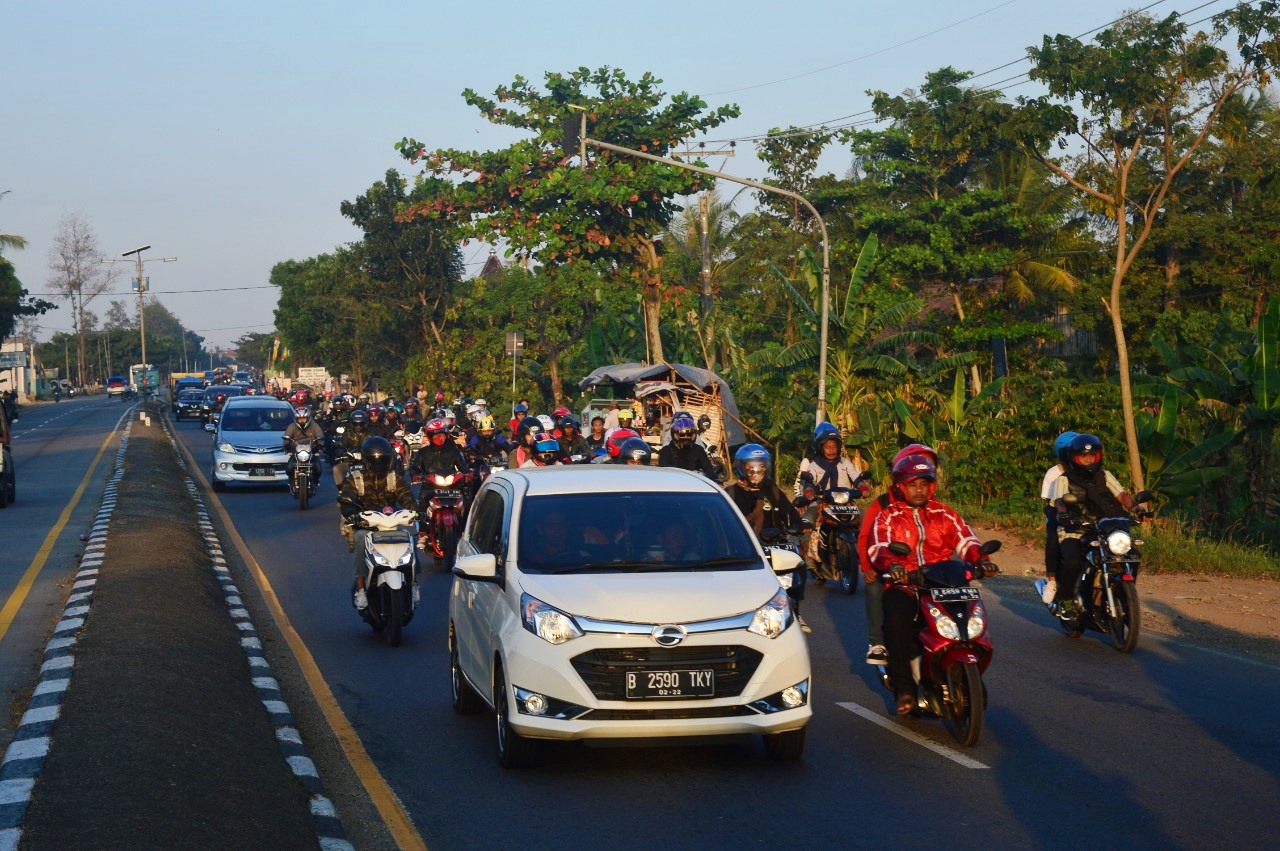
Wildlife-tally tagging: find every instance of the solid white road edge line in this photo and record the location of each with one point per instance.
(911, 736)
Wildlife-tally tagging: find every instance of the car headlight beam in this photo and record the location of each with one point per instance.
(773, 618)
(547, 622)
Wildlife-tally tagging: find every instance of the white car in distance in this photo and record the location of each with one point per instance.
(621, 602)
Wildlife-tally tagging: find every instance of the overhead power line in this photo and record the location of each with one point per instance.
(836, 123)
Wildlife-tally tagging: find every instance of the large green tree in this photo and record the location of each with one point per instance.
(412, 262)
(1140, 101)
(531, 196)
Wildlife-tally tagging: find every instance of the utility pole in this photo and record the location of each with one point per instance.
(140, 286)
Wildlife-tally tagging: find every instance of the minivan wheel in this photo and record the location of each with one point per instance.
(514, 750)
(788, 745)
(218, 484)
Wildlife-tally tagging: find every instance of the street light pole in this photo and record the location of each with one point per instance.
(826, 250)
(142, 288)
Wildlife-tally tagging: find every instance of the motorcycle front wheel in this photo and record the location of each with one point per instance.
(449, 546)
(393, 614)
(966, 703)
(1125, 622)
(848, 564)
(303, 492)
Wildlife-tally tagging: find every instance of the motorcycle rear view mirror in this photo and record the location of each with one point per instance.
(990, 547)
(899, 549)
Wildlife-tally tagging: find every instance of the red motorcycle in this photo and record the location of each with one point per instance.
(955, 646)
(445, 515)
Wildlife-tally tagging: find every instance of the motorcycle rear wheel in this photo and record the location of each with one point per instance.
(393, 614)
(1126, 623)
(966, 703)
(849, 571)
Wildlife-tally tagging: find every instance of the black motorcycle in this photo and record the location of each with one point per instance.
(304, 473)
(837, 529)
(1107, 590)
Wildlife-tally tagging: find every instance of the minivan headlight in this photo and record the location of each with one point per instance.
(225, 447)
(773, 618)
(547, 622)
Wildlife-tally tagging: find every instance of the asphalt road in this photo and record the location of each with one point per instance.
(53, 448)
(1173, 746)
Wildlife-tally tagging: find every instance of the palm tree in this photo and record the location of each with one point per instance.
(9, 240)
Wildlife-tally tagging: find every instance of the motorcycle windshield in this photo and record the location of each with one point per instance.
(1113, 524)
(946, 574)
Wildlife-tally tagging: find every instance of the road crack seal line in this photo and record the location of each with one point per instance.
(323, 813)
(25, 755)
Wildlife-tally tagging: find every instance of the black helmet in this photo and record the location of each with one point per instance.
(378, 455)
(1082, 445)
(568, 421)
(359, 417)
(634, 449)
(527, 426)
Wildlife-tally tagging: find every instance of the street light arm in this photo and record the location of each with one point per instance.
(764, 187)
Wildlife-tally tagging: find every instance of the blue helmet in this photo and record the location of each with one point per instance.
(753, 454)
(824, 432)
(1062, 442)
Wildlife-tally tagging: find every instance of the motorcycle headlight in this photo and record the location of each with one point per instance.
(773, 618)
(223, 446)
(304, 455)
(977, 622)
(379, 558)
(405, 559)
(547, 622)
(1119, 542)
(945, 625)
(840, 498)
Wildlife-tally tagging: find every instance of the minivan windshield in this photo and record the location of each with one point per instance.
(255, 418)
(633, 532)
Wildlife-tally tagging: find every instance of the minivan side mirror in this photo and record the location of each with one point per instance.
(481, 566)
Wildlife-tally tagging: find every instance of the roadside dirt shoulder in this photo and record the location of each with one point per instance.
(1236, 614)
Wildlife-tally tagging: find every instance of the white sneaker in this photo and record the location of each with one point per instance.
(361, 599)
(1050, 591)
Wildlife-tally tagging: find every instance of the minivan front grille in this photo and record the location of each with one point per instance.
(605, 670)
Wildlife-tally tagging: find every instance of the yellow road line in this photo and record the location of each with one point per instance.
(19, 595)
(393, 815)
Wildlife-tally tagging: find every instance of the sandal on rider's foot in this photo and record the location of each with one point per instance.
(906, 703)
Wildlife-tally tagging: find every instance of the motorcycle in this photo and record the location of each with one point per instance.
(304, 474)
(57, 393)
(955, 646)
(838, 520)
(495, 464)
(1107, 590)
(390, 573)
(792, 581)
(445, 515)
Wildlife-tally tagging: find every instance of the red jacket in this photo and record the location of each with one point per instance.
(934, 533)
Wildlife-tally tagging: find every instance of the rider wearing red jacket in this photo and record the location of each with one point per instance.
(935, 533)
(874, 600)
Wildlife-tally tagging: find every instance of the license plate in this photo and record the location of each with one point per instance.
(260, 471)
(645, 685)
(447, 493)
(952, 595)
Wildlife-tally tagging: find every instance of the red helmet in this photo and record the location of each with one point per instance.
(436, 427)
(376, 410)
(915, 449)
(914, 466)
(613, 443)
(560, 413)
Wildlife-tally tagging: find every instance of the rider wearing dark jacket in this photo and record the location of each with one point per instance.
(373, 488)
(683, 451)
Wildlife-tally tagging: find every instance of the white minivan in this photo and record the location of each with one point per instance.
(622, 602)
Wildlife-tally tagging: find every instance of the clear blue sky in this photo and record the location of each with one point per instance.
(227, 134)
